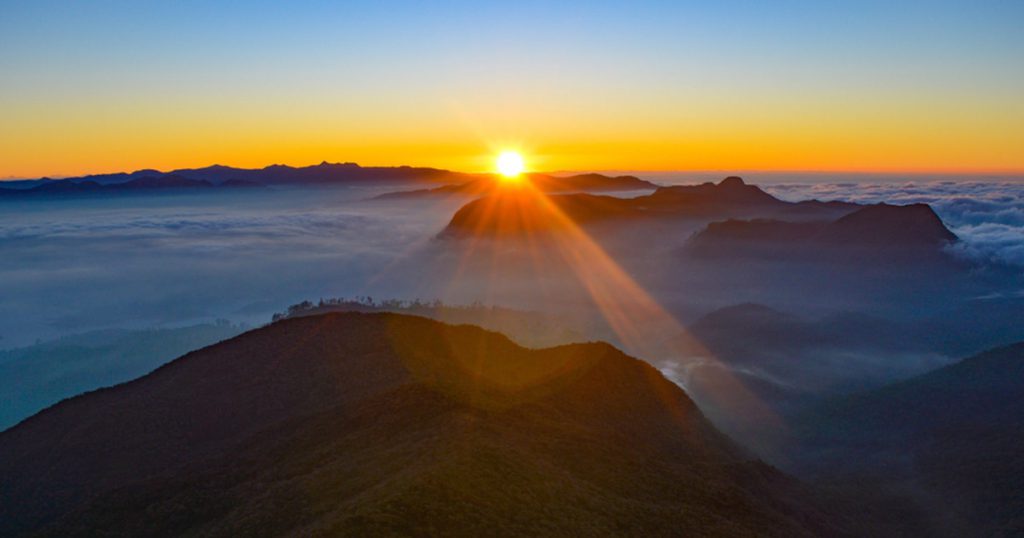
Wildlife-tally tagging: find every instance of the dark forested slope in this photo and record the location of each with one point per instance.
(382, 424)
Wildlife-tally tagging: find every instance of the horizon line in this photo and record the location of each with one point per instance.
(1010, 172)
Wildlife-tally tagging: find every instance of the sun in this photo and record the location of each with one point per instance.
(510, 164)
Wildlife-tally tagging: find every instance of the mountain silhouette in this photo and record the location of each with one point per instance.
(56, 187)
(170, 181)
(542, 182)
(391, 424)
(906, 228)
(731, 191)
(327, 173)
(910, 225)
(514, 212)
(218, 175)
(146, 183)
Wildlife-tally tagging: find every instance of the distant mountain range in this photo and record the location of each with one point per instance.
(518, 212)
(225, 176)
(451, 183)
(542, 182)
(147, 183)
(371, 424)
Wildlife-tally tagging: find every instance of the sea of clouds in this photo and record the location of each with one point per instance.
(988, 216)
(70, 265)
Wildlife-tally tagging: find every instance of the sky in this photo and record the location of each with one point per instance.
(90, 87)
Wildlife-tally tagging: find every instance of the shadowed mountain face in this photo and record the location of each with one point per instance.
(544, 183)
(382, 423)
(907, 230)
(910, 225)
(951, 440)
(523, 211)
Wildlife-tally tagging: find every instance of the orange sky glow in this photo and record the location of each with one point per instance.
(673, 86)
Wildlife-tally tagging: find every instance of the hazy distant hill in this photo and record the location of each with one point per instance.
(387, 424)
(952, 440)
(147, 183)
(541, 182)
(789, 363)
(836, 352)
(909, 230)
(225, 176)
(515, 212)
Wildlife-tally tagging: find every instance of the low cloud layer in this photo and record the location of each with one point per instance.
(71, 265)
(74, 265)
(987, 216)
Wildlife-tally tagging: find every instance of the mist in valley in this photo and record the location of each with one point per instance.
(788, 331)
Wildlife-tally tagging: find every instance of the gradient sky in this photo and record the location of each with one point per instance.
(811, 85)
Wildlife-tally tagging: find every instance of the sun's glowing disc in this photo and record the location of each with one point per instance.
(510, 164)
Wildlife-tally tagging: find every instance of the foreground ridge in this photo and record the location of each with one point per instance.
(386, 423)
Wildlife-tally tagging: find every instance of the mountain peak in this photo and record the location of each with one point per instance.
(894, 224)
(893, 231)
(328, 164)
(732, 181)
(730, 191)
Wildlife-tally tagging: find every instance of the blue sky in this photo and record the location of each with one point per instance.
(611, 67)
